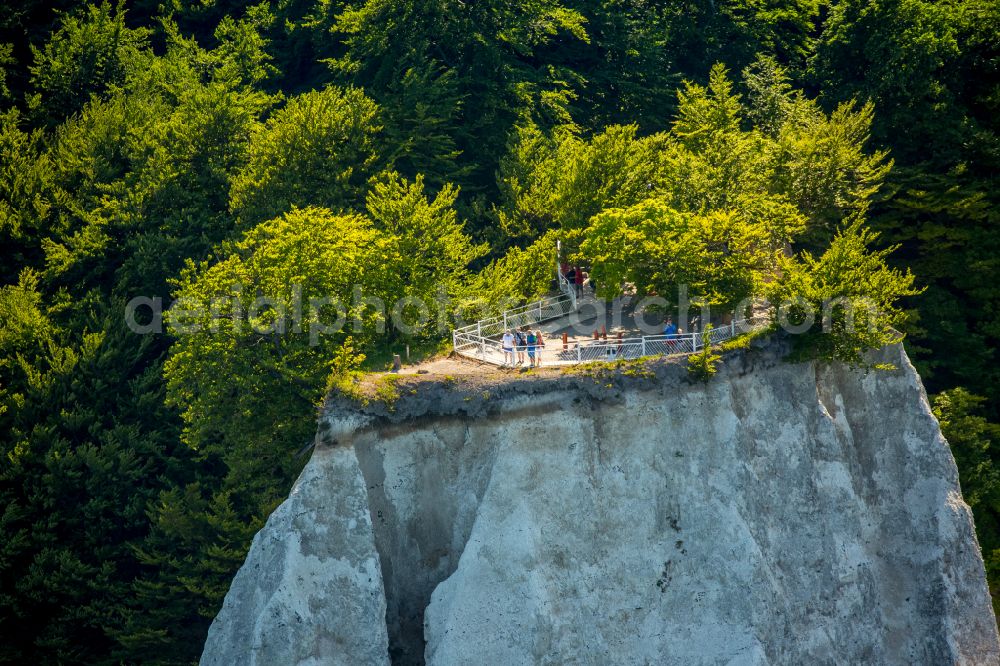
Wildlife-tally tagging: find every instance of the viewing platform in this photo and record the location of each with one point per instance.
(582, 328)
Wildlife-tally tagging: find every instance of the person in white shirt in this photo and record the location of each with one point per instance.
(508, 347)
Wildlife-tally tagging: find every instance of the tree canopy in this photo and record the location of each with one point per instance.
(260, 172)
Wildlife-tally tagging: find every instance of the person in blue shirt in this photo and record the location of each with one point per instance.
(670, 330)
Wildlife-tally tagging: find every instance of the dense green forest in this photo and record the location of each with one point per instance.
(433, 150)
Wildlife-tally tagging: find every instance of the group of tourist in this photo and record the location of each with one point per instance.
(576, 277)
(519, 342)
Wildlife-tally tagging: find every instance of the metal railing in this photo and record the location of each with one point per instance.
(469, 339)
(476, 342)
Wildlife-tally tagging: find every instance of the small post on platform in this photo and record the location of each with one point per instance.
(396, 363)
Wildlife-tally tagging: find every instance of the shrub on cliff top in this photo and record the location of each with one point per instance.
(845, 302)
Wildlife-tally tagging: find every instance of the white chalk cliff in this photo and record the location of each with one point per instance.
(778, 514)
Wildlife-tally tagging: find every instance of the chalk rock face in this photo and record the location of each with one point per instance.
(779, 514)
(788, 517)
(310, 591)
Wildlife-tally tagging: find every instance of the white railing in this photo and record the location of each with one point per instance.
(552, 307)
(566, 289)
(475, 342)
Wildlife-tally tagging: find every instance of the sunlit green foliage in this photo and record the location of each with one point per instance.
(431, 252)
(286, 296)
(564, 180)
(149, 171)
(234, 318)
(163, 149)
(519, 276)
(823, 163)
(722, 257)
(702, 364)
(318, 150)
(799, 161)
(845, 302)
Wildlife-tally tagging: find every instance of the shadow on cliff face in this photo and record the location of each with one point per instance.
(422, 515)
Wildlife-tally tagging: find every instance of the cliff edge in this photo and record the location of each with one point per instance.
(780, 513)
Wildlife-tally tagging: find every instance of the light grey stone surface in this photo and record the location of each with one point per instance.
(310, 591)
(785, 515)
